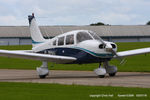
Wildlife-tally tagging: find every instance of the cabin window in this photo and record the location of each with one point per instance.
(82, 36)
(54, 42)
(69, 39)
(61, 41)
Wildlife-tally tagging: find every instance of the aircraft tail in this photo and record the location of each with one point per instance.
(36, 35)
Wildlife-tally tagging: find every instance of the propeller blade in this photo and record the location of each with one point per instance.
(114, 53)
(123, 61)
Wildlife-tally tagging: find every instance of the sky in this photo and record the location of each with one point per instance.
(75, 12)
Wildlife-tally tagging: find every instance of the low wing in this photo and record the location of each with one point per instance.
(28, 54)
(133, 52)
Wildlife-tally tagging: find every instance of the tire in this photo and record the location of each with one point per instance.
(42, 76)
(112, 74)
(101, 76)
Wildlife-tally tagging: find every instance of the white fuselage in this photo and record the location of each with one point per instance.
(91, 46)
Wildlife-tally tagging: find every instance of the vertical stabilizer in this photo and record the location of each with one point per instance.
(36, 35)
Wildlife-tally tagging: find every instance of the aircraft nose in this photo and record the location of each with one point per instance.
(108, 47)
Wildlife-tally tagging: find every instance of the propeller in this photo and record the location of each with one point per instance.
(123, 61)
(109, 48)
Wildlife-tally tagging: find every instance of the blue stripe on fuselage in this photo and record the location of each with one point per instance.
(34, 42)
(82, 55)
(95, 54)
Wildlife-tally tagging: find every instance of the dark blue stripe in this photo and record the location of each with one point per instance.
(81, 55)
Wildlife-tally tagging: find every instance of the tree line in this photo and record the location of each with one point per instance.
(101, 23)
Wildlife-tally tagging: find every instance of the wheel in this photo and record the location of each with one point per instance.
(101, 76)
(112, 74)
(42, 76)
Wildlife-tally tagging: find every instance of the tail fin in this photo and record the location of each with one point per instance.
(36, 35)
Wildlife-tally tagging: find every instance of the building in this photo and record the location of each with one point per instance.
(20, 35)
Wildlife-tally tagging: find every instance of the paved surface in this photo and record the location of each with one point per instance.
(125, 79)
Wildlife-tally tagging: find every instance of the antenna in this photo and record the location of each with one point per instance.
(32, 14)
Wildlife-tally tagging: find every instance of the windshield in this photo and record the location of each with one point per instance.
(82, 36)
(95, 36)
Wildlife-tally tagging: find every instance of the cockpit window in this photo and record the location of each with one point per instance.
(61, 41)
(54, 42)
(95, 36)
(82, 36)
(69, 39)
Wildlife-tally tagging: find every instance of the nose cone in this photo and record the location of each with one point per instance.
(108, 47)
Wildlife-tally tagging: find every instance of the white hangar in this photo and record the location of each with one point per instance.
(19, 35)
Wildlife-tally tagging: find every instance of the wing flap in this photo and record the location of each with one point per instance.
(36, 56)
(133, 52)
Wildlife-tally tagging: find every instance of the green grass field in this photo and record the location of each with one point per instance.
(140, 63)
(35, 91)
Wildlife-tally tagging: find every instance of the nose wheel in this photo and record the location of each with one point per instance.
(105, 69)
(101, 71)
(112, 74)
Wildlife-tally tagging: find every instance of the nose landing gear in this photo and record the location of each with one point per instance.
(106, 69)
(100, 71)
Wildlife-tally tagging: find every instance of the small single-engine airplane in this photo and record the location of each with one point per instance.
(75, 47)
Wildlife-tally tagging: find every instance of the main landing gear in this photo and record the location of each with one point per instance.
(43, 70)
(106, 68)
(101, 71)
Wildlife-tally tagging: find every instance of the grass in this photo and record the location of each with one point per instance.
(139, 63)
(36, 91)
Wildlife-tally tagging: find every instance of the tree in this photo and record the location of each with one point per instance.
(97, 24)
(148, 23)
